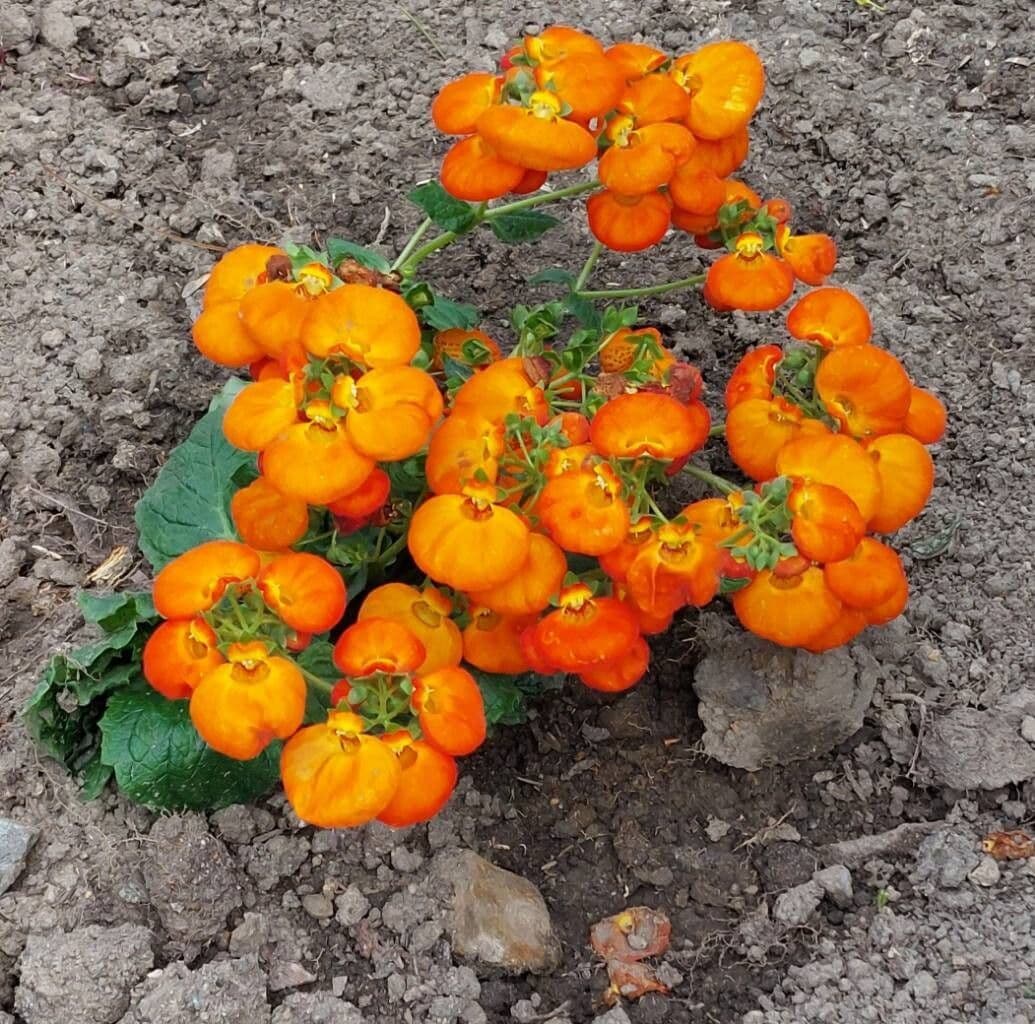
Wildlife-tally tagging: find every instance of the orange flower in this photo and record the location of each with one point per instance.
(716, 519)
(926, 416)
(583, 511)
(868, 577)
(252, 699)
(266, 519)
(459, 104)
(789, 610)
(473, 172)
(500, 389)
(678, 566)
(725, 81)
(573, 425)
(585, 630)
(721, 156)
(533, 586)
(178, 655)
(624, 346)
(464, 445)
(617, 561)
(635, 59)
(426, 781)
(891, 607)
(259, 412)
(315, 461)
(557, 42)
(865, 389)
(812, 257)
(906, 473)
(647, 424)
(758, 429)
(628, 223)
(622, 673)
(196, 580)
(492, 642)
(273, 314)
(698, 191)
(366, 499)
(846, 627)
(653, 99)
(749, 277)
(835, 460)
(827, 525)
(589, 84)
(531, 181)
(378, 645)
(450, 711)
(425, 613)
(466, 541)
(754, 375)
(831, 317)
(337, 776)
(304, 590)
(391, 411)
(370, 325)
(451, 343)
(566, 460)
(537, 136)
(634, 167)
(221, 336)
(237, 273)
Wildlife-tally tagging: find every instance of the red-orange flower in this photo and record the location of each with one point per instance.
(492, 642)
(178, 655)
(926, 416)
(338, 776)
(197, 579)
(585, 630)
(533, 586)
(812, 257)
(757, 430)
(425, 613)
(450, 711)
(266, 519)
(237, 273)
(378, 645)
(648, 424)
(754, 375)
(831, 317)
(304, 590)
(635, 59)
(725, 81)
(426, 781)
(749, 277)
(253, 698)
(259, 412)
(622, 673)
(835, 460)
(827, 525)
(536, 136)
(628, 223)
(788, 609)
(679, 566)
(583, 510)
(473, 172)
(500, 389)
(865, 389)
(868, 577)
(459, 104)
(906, 473)
(366, 499)
(465, 445)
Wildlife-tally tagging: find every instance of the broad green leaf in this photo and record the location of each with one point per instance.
(316, 661)
(447, 212)
(506, 697)
(189, 502)
(521, 225)
(553, 275)
(111, 611)
(160, 761)
(339, 249)
(443, 314)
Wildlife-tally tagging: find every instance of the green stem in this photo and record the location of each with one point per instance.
(542, 197)
(587, 267)
(438, 242)
(719, 430)
(321, 684)
(721, 484)
(412, 242)
(653, 289)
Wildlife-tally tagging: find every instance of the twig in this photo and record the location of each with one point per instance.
(421, 28)
(852, 852)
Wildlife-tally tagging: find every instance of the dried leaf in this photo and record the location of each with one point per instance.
(1015, 845)
(631, 981)
(632, 935)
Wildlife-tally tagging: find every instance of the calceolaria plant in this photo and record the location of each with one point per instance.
(403, 524)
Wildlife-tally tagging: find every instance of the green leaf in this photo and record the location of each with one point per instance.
(189, 502)
(442, 314)
(583, 310)
(938, 542)
(113, 611)
(302, 255)
(448, 213)
(554, 275)
(160, 761)
(506, 697)
(316, 660)
(521, 225)
(339, 249)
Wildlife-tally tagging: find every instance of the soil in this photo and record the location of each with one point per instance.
(139, 140)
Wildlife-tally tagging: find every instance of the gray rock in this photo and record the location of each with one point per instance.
(923, 986)
(316, 1008)
(987, 873)
(287, 974)
(352, 907)
(616, 1015)
(763, 706)
(836, 883)
(795, 906)
(56, 27)
(946, 858)
(497, 917)
(16, 29)
(1028, 728)
(956, 749)
(190, 878)
(83, 976)
(319, 906)
(331, 88)
(250, 935)
(15, 843)
(221, 992)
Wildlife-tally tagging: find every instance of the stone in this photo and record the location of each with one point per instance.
(221, 992)
(319, 906)
(16, 841)
(16, 28)
(795, 906)
(56, 28)
(762, 705)
(497, 917)
(352, 906)
(316, 1008)
(250, 935)
(986, 874)
(330, 88)
(956, 748)
(190, 878)
(82, 976)
(616, 1015)
(287, 974)
(1028, 728)
(836, 883)
(946, 858)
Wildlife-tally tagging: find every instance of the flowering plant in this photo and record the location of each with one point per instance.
(445, 516)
